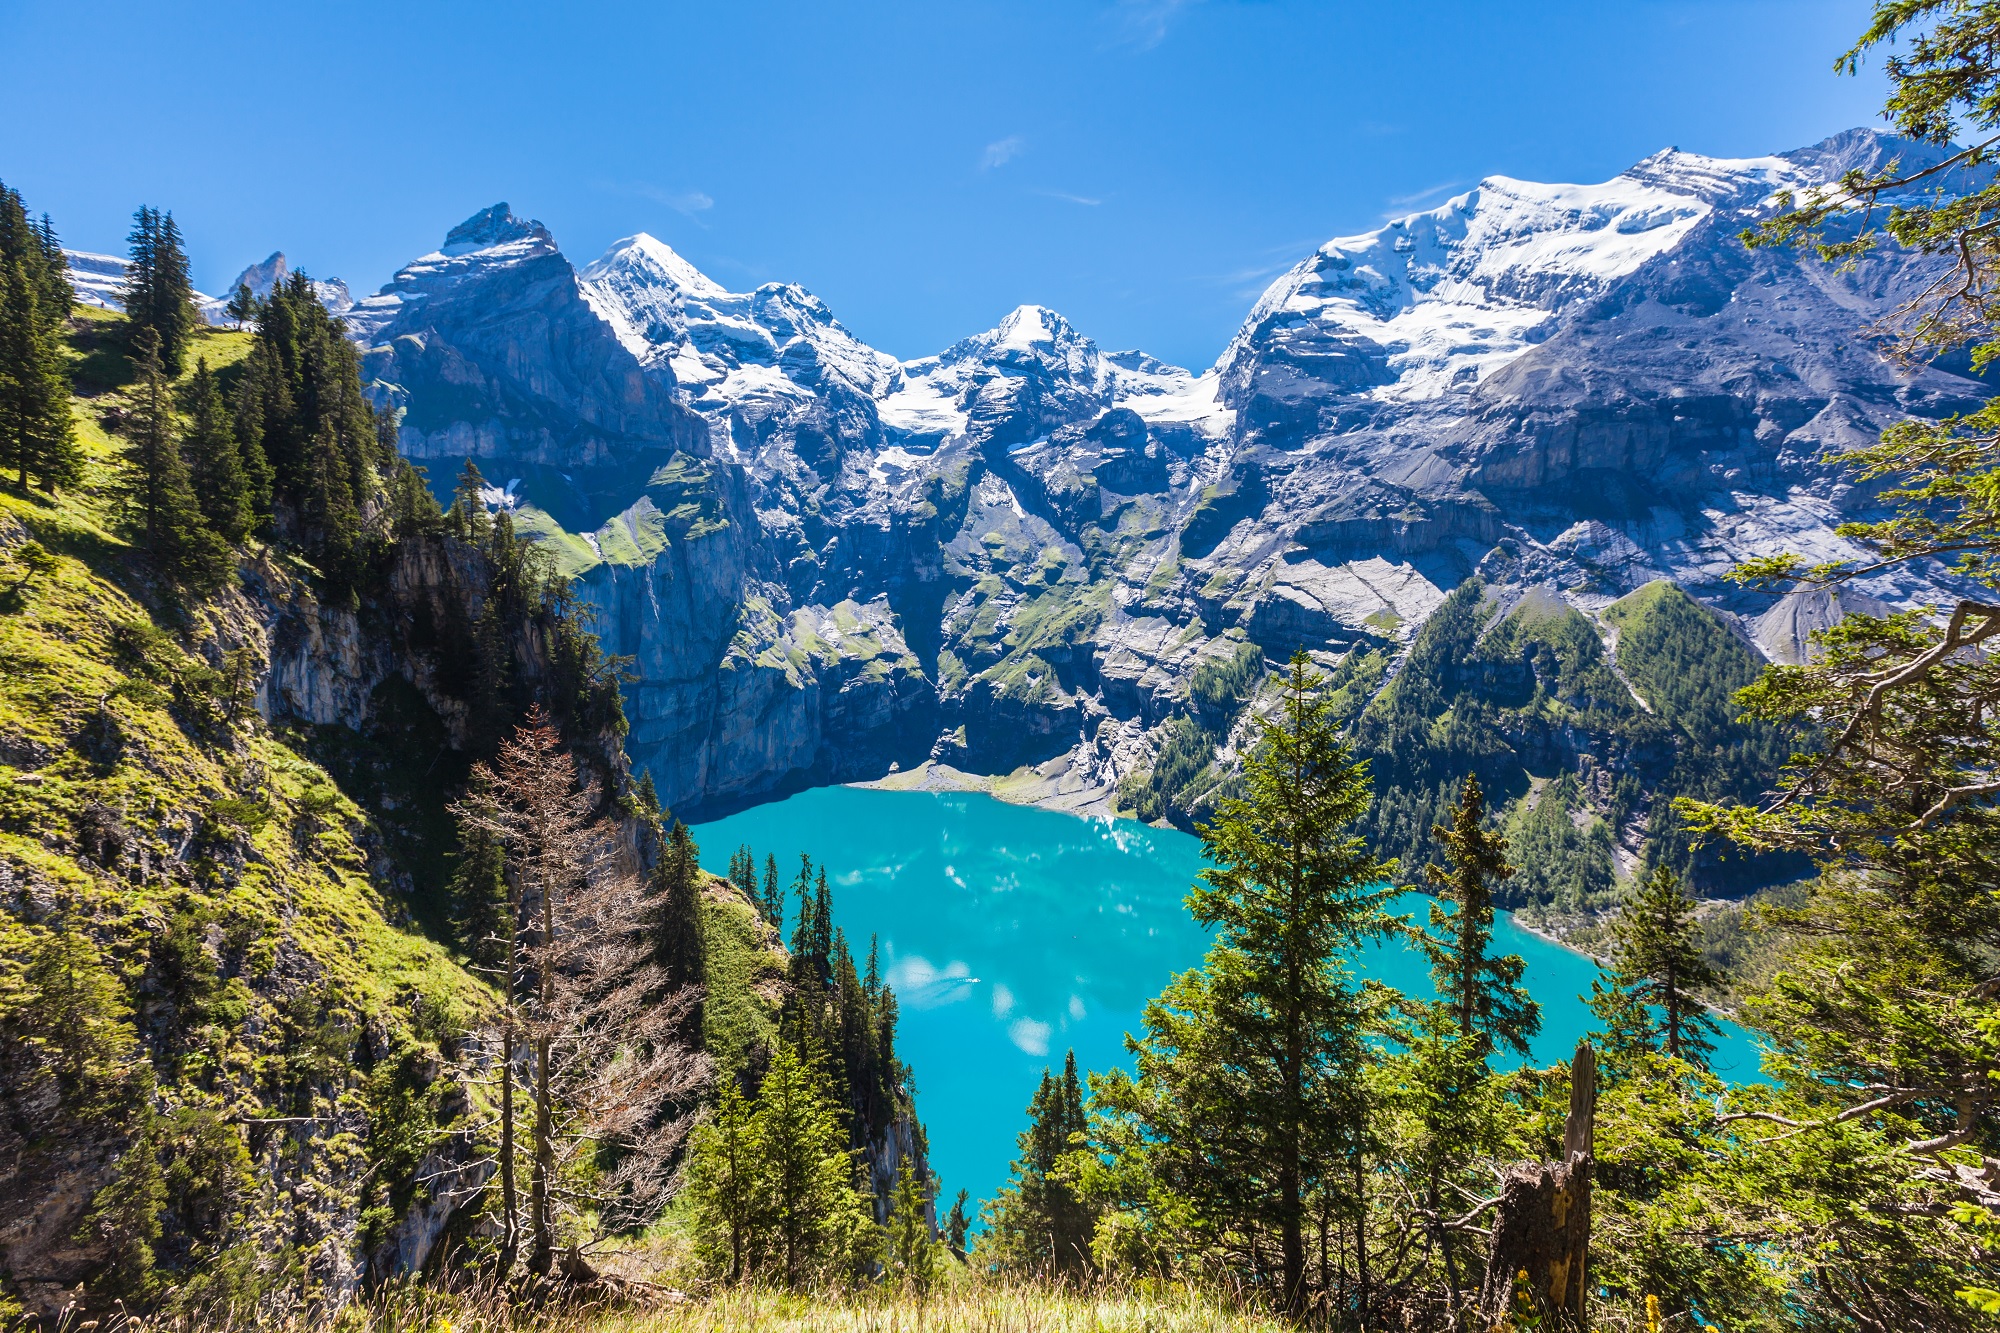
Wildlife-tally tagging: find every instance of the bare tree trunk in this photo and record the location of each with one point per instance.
(1541, 1231)
(509, 1202)
(1360, 1241)
(545, 1161)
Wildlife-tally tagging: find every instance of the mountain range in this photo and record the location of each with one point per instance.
(1017, 555)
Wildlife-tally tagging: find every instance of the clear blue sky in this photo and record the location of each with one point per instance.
(1144, 166)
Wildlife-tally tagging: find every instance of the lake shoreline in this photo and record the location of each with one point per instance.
(1044, 788)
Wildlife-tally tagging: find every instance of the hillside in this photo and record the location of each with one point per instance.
(243, 1057)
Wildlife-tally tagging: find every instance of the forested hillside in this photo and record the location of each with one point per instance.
(294, 982)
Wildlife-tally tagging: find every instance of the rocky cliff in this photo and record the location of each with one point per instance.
(825, 563)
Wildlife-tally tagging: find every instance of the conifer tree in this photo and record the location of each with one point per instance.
(957, 1223)
(1250, 1081)
(1656, 967)
(467, 518)
(37, 438)
(222, 488)
(1039, 1225)
(242, 305)
(159, 297)
(159, 492)
(910, 1252)
(726, 1187)
(491, 698)
(646, 796)
(1484, 993)
(679, 939)
(298, 404)
(481, 903)
(774, 897)
(812, 1203)
(329, 516)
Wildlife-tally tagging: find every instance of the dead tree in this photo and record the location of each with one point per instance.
(605, 1063)
(1541, 1230)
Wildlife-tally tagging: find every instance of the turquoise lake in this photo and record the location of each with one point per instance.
(1012, 935)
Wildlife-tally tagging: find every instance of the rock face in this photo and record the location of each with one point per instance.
(824, 562)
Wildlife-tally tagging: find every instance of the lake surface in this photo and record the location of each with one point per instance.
(1013, 934)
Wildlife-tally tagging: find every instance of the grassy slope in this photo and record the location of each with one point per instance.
(76, 659)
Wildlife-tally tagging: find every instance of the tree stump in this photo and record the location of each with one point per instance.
(1542, 1226)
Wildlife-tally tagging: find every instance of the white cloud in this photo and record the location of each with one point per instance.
(1003, 1000)
(1423, 196)
(1076, 1007)
(1030, 1036)
(688, 203)
(1002, 151)
(1085, 200)
(1144, 23)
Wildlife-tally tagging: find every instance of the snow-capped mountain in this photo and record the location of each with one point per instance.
(1435, 300)
(263, 278)
(99, 280)
(1016, 551)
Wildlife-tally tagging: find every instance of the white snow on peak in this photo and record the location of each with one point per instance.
(724, 347)
(1035, 346)
(1456, 292)
(99, 280)
(487, 240)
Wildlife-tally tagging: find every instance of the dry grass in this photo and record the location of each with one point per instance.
(971, 1305)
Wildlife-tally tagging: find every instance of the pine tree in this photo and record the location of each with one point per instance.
(242, 305)
(221, 487)
(159, 493)
(726, 1187)
(679, 938)
(1038, 1225)
(481, 903)
(774, 897)
(957, 1223)
(329, 515)
(298, 406)
(646, 796)
(813, 1205)
(1484, 993)
(1250, 1081)
(37, 438)
(910, 1252)
(1656, 967)
(159, 297)
(467, 517)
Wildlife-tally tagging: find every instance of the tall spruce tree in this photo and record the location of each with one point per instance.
(1038, 1225)
(1649, 993)
(674, 907)
(909, 1256)
(1484, 993)
(1251, 1072)
(224, 489)
(242, 305)
(811, 1200)
(37, 438)
(160, 496)
(158, 295)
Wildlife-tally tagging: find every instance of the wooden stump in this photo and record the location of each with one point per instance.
(1542, 1225)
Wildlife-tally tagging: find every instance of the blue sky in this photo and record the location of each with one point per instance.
(1143, 166)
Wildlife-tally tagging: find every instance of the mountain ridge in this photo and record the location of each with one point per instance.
(826, 562)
